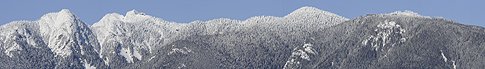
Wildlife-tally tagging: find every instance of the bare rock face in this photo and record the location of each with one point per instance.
(308, 38)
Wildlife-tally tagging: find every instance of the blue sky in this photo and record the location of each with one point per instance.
(90, 11)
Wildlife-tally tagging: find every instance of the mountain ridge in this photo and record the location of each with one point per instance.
(306, 38)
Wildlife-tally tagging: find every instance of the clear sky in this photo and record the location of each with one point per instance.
(90, 11)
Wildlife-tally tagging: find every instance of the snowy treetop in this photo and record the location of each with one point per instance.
(407, 13)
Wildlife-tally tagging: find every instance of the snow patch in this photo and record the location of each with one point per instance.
(182, 66)
(443, 55)
(15, 47)
(332, 63)
(127, 54)
(308, 48)
(388, 25)
(106, 61)
(387, 32)
(300, 53)
(151, 58)
(446, 59)
(366, 40)
(454, 65)
(82, 50)
(130, 54)
(137, 54)
(403, 39)
(185, 50)
(87, 65)
(291, 62)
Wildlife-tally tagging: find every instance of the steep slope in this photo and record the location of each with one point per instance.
(128, 39)
(69, 41)
(23, 47)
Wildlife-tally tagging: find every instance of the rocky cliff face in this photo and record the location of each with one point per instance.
(305, 38)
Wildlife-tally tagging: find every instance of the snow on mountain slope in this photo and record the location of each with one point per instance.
(66, 35)
(126, 40)
(407, 13)
(299, 56)
(130, 36)
(61, 33)
(313, 16)
(55, 28)
(135, 35)
(22, 47)
(18, 35)
(306, 38)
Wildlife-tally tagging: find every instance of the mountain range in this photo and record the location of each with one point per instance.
(307, 38)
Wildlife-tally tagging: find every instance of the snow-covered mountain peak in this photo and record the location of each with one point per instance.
(136, 16)
(312, 16)
(311, 12)
(134, 12)
(65, 11)
(110, 17)
(63, 19)
(132, 16)
(108, 20)
(58, 18)
(62, 32)
(307, 9)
